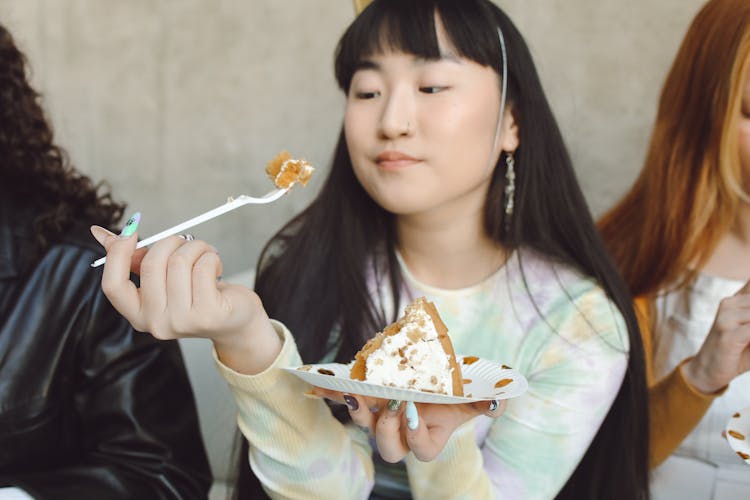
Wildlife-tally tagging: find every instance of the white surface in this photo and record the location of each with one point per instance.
(231, 204)
(216, 408)
(738, 434)
(14, 494)
(219, 491)
(684, 478)
(480, 378)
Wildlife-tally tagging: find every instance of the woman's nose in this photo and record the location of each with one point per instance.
(397, 118)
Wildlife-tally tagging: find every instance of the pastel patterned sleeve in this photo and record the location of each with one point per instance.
(574, 374)
(298, 450)
(575, 361)
(456, 474)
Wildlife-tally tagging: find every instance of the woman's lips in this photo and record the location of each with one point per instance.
(394, 160)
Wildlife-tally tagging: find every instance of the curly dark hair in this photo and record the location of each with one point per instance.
(36, 169)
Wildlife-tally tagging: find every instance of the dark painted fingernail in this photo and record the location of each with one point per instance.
(394, 405)
(494, 404)
(351, 402)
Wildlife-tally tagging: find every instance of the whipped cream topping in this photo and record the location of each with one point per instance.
(413, 358)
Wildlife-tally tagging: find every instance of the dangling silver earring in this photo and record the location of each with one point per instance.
(510, 187)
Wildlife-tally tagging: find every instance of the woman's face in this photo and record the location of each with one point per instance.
(421, 132)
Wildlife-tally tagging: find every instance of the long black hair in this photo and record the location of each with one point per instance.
(312, 274)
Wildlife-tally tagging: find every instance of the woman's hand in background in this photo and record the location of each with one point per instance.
(726, 351)
(180, 295)
(400, 427)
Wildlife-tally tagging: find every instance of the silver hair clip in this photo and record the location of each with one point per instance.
(504, 85)
(504, 92)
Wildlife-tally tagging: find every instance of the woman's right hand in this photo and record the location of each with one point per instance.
(180, 295)
(726, 351)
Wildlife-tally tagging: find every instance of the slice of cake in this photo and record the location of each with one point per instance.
(285, 171)
(415, 352)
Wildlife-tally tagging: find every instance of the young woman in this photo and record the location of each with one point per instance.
(682, 238)
(89, 408)
(449, 180)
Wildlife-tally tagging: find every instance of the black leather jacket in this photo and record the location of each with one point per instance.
(88, 407)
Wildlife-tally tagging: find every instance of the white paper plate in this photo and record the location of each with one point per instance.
(483, 380)
(738, 433)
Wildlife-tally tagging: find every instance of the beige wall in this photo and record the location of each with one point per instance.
(179, 103)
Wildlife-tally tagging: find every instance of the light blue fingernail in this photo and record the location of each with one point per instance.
(131, 226)
(412, 417)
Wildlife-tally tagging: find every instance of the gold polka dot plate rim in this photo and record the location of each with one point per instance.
(484, 380)
(737, 433)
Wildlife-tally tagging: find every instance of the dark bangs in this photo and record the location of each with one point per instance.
(408, 26)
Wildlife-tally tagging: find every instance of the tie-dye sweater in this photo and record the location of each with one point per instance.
(553, 325)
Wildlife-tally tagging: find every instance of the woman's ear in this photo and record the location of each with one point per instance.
(509, 131)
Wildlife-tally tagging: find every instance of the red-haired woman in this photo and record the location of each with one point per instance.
(681, 237)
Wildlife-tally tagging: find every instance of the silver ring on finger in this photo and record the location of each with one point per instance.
(492, 407)
(187, 236)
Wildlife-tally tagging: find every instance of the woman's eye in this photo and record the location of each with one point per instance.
(745, 113)
(366, 95)
(431, 90)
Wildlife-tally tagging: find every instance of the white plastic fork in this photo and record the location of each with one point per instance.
(220, 210)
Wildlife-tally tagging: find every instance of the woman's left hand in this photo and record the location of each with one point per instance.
(400, 427)
(725, 352)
